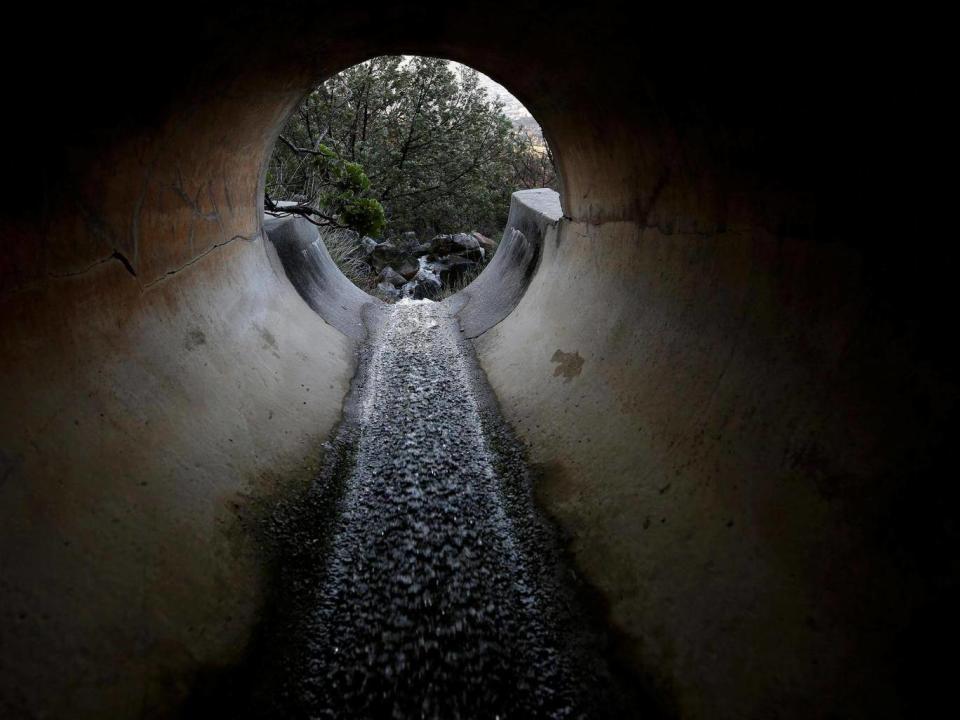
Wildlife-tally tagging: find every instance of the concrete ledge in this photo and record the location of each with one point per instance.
(315, 275)
(534, 215)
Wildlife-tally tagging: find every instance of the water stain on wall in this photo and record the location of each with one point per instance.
(570, 364)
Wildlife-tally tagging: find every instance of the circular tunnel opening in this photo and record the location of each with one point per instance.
(388, 180)
(406, 166)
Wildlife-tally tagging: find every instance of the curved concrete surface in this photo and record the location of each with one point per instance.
(738, 396)
(495, 293)
(307, 263)
(144, 430)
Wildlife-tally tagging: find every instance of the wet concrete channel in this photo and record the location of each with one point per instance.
(438, 591)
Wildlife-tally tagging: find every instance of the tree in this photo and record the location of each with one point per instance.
(329, 191)
(436, 153)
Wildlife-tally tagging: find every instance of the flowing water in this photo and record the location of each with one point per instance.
(418, 580)
(429, 610)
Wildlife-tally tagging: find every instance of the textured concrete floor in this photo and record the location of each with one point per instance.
(429, 610)
(436, 591)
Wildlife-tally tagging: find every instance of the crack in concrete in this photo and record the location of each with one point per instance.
(82, 271)
(115, 255)
(128, 266)
(196, 258)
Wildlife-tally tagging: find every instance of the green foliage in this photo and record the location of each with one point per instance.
(365, 215)
(392, 145)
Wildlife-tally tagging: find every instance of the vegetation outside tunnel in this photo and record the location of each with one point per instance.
(397, 145)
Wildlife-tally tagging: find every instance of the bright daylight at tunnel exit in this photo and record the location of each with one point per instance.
(472, 361)
(406, 165)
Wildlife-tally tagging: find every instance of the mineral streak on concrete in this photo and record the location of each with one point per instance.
(496, 292)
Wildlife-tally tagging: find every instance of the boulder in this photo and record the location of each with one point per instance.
(441, 245)
(467, 246)
(453, 267)
(407, 243)
(392, 277)
(382, 255)
(489, 245)
(460, 244)
(389, 291)
(408, 267)
(423, 291)
(465, 241)
(421, 250)
(425, 285)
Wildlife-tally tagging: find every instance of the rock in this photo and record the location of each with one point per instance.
(453, 267)
(419, 291)
(441, 245)
(465, 241)
(425, 285)
(438, 267)
(367, 244)
(468, 246)
(408, 267)
(407, 243)
(465, 244)
(392, 277)
(489, 245)
(389, 291)
(382, 255)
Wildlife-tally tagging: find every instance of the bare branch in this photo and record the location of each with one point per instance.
(304, 210)
(299, 150)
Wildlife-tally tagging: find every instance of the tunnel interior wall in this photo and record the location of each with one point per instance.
(495, 293)
(702, 415)
(303, 257)
(153, 431)
(163, 386)
(732, 384)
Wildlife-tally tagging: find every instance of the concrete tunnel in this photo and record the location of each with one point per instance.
(732, 392)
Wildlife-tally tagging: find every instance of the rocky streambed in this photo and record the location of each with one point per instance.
(405, 267)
